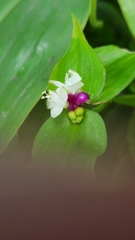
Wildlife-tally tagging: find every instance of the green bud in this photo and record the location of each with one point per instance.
(79, 119)
(73, 121)
(79, 111)
(71, 115)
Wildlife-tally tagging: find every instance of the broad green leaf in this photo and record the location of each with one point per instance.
(35, 34)
(128, 10)
(82, 59)
(131, 136)
(6, 7)
(125, 99)
(74, 143)
(120, 71)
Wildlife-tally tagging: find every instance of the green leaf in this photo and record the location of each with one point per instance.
(131, 136)
(128, 10)
(125, 99)
(6, 7)
(71, 143)
(82, 59)
(35, 34)
(120, 71)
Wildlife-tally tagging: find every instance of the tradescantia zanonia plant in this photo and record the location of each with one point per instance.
(75, 82)
(78, 90)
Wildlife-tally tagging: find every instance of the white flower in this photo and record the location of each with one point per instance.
(56, 101)
(72, 82)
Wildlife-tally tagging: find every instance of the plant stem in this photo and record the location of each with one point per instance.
(93, 20)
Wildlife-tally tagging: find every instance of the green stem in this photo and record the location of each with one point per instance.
(93, 20)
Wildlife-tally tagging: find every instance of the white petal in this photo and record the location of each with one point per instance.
(74, 87)
(56, 111)
(72, 77)
(63, 96)
(56, 101)
(56, 83)
(50, 104)
(54, 96)
(53, 100)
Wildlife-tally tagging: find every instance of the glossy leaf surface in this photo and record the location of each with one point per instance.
(71, 143)
(128, 10)
(120, 71)
(82, 59)
(34, 36)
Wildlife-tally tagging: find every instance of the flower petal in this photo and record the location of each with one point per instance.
(50, 104)
(56, 111)
(74, 87)
(56, 83)
(52, 99)
(72, 77)
(63, 96)
(56, 101)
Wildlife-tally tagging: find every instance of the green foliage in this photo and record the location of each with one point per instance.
(39, 41)
(128, 10)
(59, 137)
(82, 59)
(33, 39)
(120, 71)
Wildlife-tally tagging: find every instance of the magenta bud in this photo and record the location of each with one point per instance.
(71, 97)
(81, 97)
(71, 102)
(71, 107)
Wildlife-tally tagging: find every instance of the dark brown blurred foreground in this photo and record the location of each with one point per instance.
(48, 202)
(53, 202)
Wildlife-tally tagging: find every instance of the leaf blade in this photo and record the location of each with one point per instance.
(26, 61)
(128, 10)
(82, 59)
(120, 71)
(60, 139)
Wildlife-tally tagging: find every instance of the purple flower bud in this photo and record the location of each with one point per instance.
(71, 102)
(75, 100)
(71, 107)
(71, 98)
(81, 97)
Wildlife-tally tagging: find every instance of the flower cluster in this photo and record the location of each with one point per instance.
(67, 95)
